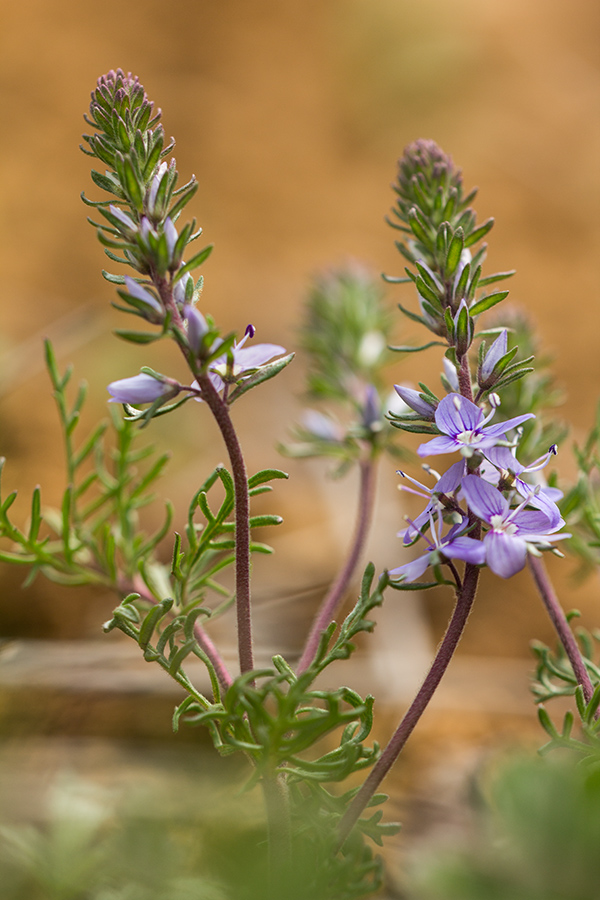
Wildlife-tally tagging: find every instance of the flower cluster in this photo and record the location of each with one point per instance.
(484, 490)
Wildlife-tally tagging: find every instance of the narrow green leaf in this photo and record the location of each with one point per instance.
(264, 520)
(412, 315)
(265, 373)
(498, 276)
(487, 302)
(266, 475)
(194, 262)
(132, 185)
(478, 233)
(138, 337)
(151, 620)
(417, 349)
(36, 516)
(454, 252)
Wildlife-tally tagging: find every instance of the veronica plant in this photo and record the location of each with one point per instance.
(491, 507)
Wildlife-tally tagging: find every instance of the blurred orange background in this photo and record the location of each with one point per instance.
(292, 116)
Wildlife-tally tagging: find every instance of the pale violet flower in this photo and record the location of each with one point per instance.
(493, 356)
(512, 531)
(322, 426)
(414, 401)
(464, 427)
(197, 327)
(141, 389)
(451, 375)
(123, 218)
(170, 236)
(245, 361)
(438, 497)
(136, 290)
(179, 291)
(154, 186)
(506, 467)
(455, 545)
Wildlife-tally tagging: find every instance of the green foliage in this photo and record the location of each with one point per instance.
(536, 839)
(345, 339)
(538, 393)
(440, 227)
(555, 678)
(581, 504)
(274, 718)
(129, 139)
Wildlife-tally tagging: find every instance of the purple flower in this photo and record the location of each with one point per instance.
(140, 389)
(415, 401)
(454, 546)
(511, 531)
(464, 427)
(493, 356)
(197, 327)
(124, 219)
(140, 293)
(437, 498)
(245, 359)
(179, 291)
(506, 474)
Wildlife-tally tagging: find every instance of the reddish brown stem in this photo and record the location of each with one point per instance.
(335, 595)
(464, 603)
(561, 624)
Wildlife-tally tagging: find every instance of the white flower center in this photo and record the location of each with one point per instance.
(467, 437)
(499, 524)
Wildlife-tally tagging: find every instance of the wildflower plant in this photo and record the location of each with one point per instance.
(489, 507)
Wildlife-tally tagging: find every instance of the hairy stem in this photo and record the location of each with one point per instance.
(335, 595)
(464, 378)
(465, 596)
(445, 652)
(220, 412)
(561, 624)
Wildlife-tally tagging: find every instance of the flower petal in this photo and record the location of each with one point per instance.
(414, 400)
(483, 499)
(138, 389)
(505, 554)
(252, 357)
(436, 445)
(465, 548)
(500, 428)
(456, 414)
(412, 570)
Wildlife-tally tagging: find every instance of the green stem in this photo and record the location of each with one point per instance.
(279, 832)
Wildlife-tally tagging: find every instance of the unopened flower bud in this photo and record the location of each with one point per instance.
(141, 389)
(415, 401)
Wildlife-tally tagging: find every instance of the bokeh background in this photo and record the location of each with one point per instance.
(292, 114)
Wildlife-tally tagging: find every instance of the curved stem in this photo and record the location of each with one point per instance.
(445, 652)
(220, 412)
(561, 624)
(335, 595)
